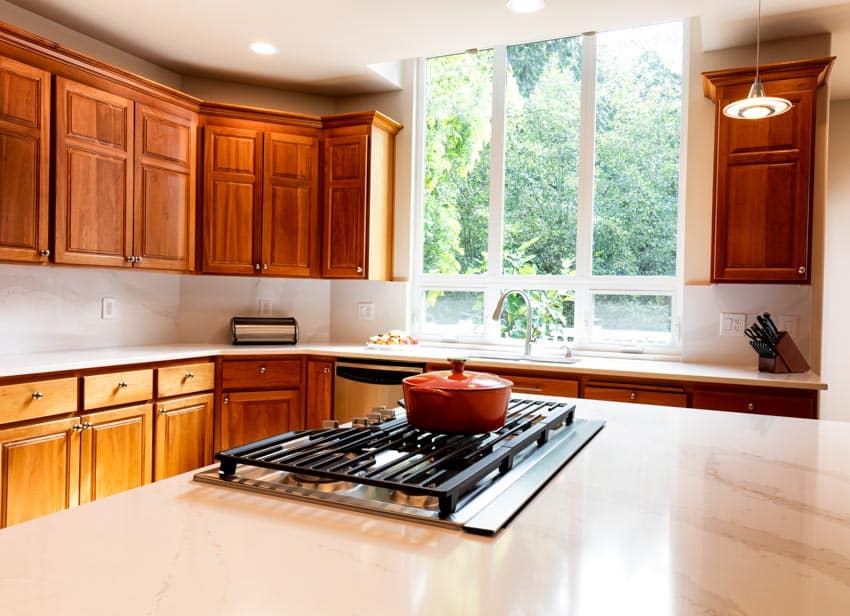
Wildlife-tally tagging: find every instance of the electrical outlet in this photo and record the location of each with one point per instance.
(788, 323)
(107, 308)
(366, 311)
(732, 323)
(264, 306)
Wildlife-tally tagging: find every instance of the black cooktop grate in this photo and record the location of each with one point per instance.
(397, 456)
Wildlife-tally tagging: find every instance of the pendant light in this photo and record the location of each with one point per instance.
(757, 105)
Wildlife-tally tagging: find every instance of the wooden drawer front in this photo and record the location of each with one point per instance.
(37, 399)
(637, 396)
(543, 385)
(117, 388)
(762, 404)
(260, 374)
(185, 379)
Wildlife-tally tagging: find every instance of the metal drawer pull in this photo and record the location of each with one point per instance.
(326, 370)
(162, 410)
(359, 269)
(122, 384)
(527, 390)
(751, 406)
(37, 395)
(189, 375)
(44, 253)
(226, 400)
(131, 259)
(87, 424)
(77, 427)
(633, 396)
(262, 369)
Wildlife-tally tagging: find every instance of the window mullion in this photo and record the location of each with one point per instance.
(586, 157)
(497, 162)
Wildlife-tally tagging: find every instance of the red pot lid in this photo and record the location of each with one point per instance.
(456, 378)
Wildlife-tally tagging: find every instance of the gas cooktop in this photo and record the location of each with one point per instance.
(382, 465)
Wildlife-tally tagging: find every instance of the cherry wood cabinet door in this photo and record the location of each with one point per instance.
(94, 176)
(344, 237)
(251, 416)
(290, 205)
(319, 392)
(232, 200)
(164, 212)
(24, 161)
(184, 435)
(39, 470)
(116, 451)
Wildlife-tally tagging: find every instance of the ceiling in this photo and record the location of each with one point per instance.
(328, 46)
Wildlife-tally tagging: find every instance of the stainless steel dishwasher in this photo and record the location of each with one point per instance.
(360, 385)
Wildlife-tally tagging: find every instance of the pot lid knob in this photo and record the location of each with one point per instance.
(457, 365)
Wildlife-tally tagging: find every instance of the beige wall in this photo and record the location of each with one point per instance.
(835, 403)
(214, 90)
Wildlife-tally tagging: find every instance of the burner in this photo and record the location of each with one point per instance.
(319, 484)
(420, 501)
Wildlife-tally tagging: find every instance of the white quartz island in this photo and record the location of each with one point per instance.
(666, 511)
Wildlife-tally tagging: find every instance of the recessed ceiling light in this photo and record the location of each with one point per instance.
(526, 6)
(264, 49)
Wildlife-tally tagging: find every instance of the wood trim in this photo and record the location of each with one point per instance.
(259, 114)
(714, 80)
(12, 38)
(373, 117)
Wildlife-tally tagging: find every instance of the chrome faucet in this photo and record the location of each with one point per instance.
(497, 314)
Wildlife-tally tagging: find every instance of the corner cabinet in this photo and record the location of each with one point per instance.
(24, 162)
(763, 170)
(359, 162)
(261, 194)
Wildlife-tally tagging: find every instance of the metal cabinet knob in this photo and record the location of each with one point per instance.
(226, 400)
(262, 369)
(189, 376)
(131, 259)
(78, 427)
(359, 269)
(257, 266)
(326, 370)
(86, 425)
(751, 406)
(801, 270)
(265, 266)
(122, 384)
(633, 396)
(37, 395)
(138, 259)
(44, 253)
(162, 410)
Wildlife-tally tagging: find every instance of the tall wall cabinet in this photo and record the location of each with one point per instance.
(763, 172)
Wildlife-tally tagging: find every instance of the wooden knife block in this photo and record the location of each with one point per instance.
(788, 357)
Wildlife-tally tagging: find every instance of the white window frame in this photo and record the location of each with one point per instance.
(584, 284)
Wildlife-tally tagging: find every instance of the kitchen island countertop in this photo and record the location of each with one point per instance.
(13, 365)
(666, 511)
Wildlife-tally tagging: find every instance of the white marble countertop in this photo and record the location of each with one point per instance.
(667, 511)
(58, 361)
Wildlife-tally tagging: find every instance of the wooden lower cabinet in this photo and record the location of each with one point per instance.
(319, 392)
(183, 439)
(39, 470)
(785, 403)
(254, 415)
(116, 451)
(637, 394)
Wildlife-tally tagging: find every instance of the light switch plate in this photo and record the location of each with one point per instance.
(732, 323)
(107, 308)
(788, 323)
(366, 311)
(264, 306)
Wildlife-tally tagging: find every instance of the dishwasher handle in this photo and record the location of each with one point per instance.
(376, 375)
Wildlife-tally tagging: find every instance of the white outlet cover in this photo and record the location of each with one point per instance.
(107, 308)
(732, 323)
(264, 306)
(366, 311)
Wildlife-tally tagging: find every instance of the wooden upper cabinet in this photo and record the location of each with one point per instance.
(24, 161)
(232, 199)
(763, 176)
(290, 238)
(94, 175)
(359, 164)
(164, 218)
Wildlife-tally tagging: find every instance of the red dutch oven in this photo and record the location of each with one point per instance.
(456, 401)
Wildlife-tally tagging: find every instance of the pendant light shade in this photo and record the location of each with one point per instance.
(757, 105)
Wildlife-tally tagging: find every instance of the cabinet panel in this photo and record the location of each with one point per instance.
(319, 392)
(94, 173)
(232, 194)
(251, 416)
(164, 224)
(785, 404)
(185, 379)
(184, 435)
(345, 232)
(636, 395)
(37, 399)
(39, 470)
(115, 388)
(290, 205)
(259, 373)
(24, 161)
(545, 386)
(116, 451)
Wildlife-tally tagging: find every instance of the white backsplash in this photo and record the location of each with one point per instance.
(55, 308)
(208, 302)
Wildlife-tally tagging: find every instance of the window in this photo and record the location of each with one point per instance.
(553, 167)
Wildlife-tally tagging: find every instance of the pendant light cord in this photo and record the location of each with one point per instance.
(758, 40)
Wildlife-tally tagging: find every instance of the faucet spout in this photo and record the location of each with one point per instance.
(500, 306)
